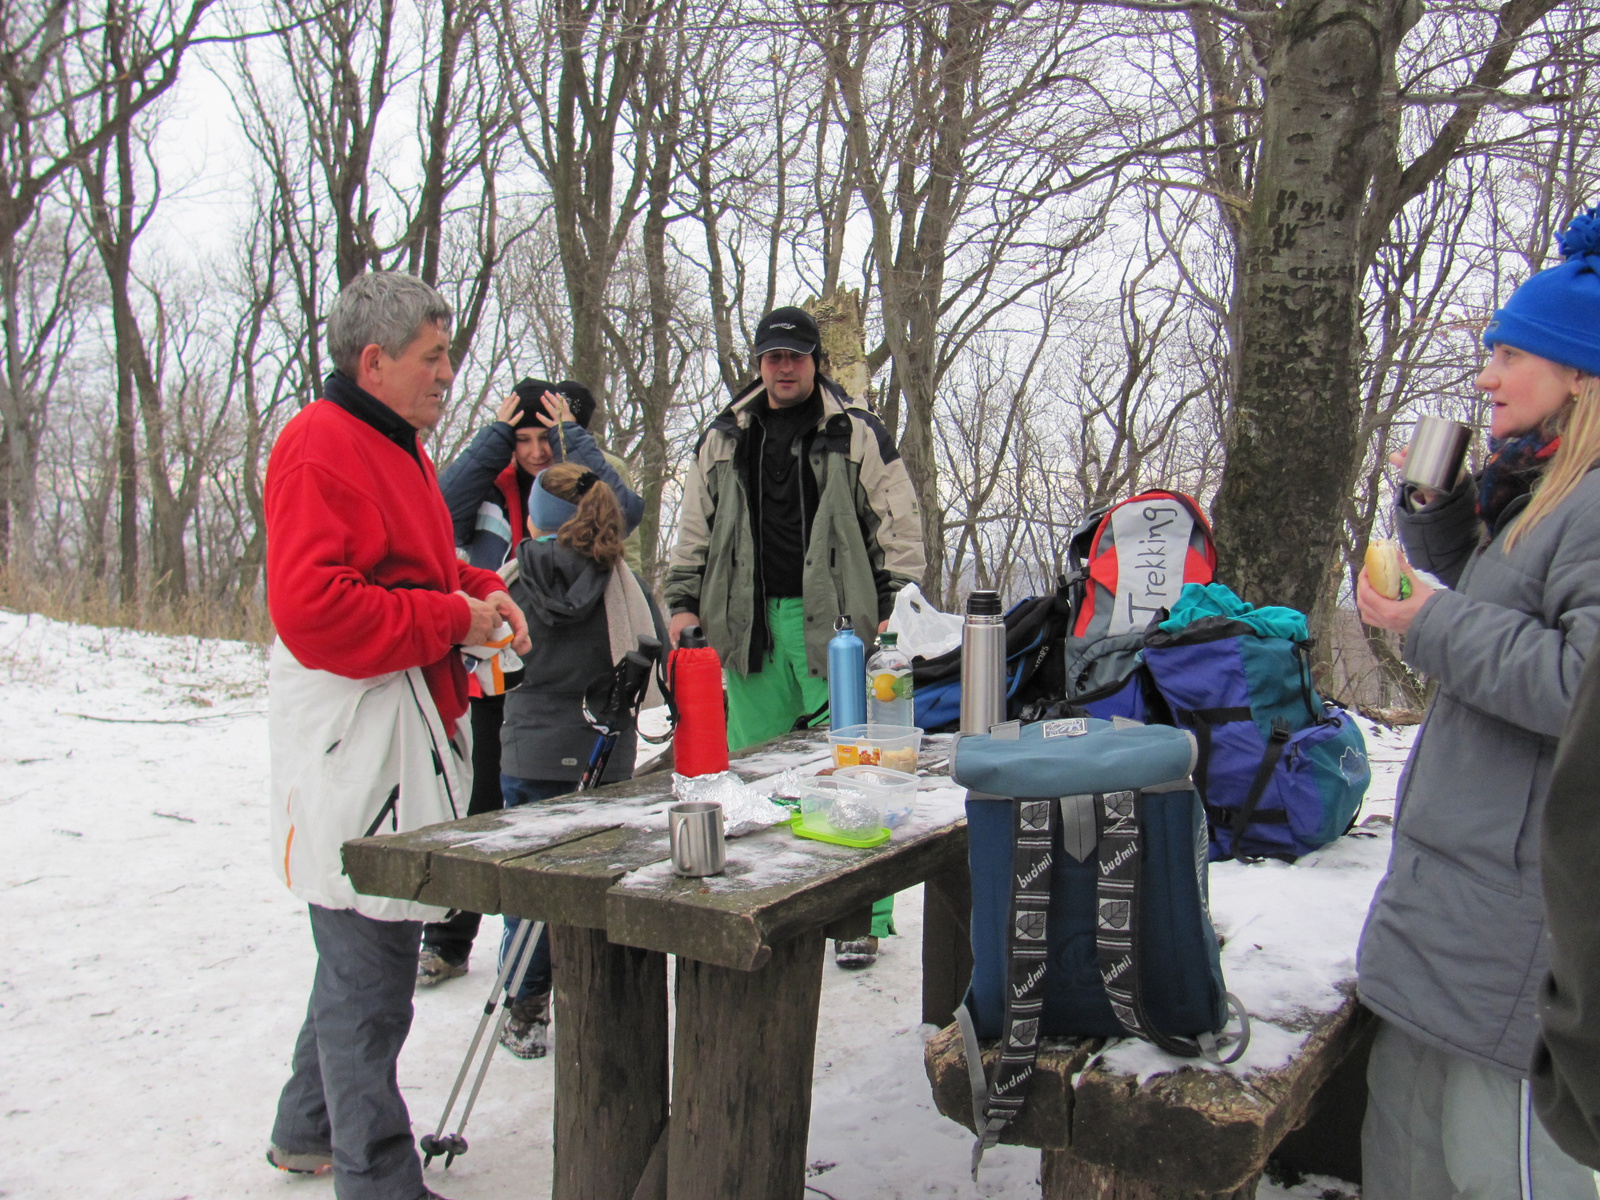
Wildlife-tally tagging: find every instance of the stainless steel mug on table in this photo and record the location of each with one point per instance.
(983, 663)
(1438, 448)
(696, 833)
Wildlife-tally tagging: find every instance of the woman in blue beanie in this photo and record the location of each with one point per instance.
(1454, 950)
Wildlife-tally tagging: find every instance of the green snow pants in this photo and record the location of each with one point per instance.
(767, 703)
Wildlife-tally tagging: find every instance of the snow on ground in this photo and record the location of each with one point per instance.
(156, 971)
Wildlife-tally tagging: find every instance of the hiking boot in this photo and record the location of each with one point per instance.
(856, 953)
(527, 1031)
(434, 968)
(317, 1162)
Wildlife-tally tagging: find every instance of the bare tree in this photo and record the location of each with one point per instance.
(1329, 183)
(47, 290)
(73, 84)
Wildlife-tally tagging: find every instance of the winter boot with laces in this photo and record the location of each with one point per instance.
(434, 968)
(527, 1031)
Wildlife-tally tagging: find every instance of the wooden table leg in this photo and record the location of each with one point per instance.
(611, 1063)
(741, 1076)
(1065, 1176)
(946, 943)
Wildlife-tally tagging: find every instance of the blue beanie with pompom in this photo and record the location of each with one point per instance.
(1556, 313)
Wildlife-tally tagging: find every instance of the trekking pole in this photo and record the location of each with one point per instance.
(457, 1144)
(436, 1143)
(621, 690)
(611, 705)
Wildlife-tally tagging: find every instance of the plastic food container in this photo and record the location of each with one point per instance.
(899, 790)
(892, 746)
(853, 808)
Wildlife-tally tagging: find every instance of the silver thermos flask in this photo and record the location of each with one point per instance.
(983, 663)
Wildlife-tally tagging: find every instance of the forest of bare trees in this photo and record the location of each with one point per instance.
(1230, 248)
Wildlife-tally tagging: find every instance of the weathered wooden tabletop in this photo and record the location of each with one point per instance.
(600, 860)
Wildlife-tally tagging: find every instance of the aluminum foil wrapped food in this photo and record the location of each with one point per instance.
(746, 807)
(855, 816)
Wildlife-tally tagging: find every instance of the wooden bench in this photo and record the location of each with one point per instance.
(1173, 1130)
(749, 945)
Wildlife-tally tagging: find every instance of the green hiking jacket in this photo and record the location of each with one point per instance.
(864, 544)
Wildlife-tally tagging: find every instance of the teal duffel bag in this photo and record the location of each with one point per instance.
(1088, 848)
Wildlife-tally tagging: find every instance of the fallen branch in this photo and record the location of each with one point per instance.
(162, 720)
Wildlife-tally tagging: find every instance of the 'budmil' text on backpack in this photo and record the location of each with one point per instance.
(1090, 918)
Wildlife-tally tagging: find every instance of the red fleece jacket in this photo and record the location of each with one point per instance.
(361, 560)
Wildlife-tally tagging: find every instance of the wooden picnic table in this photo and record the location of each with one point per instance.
(749, 943)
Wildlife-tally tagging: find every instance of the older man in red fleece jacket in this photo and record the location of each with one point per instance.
(367, 691)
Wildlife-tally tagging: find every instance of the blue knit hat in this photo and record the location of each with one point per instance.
(1556, 313)
(548, 512)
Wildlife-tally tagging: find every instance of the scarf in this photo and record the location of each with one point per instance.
(627, 619)
(1515, 465)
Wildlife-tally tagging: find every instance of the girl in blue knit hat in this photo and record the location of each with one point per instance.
(1455, 949)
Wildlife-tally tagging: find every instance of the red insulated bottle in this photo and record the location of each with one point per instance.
(694, 673)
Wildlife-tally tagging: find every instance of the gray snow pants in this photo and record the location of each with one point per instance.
(1442, 1127)
(342, 1094)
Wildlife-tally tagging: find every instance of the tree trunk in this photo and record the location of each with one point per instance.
(1293, 449)
(662, 121)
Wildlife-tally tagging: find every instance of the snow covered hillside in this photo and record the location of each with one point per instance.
(156, 972)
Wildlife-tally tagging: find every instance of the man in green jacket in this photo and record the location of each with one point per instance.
(796, 510)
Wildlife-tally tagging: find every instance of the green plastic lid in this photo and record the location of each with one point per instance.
(839, 839)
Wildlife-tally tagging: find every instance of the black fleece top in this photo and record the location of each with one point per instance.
(781, 471)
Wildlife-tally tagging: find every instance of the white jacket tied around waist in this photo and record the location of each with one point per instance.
(353, 758)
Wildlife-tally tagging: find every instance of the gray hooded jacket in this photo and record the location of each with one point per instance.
(1454, 947)
(545, 735)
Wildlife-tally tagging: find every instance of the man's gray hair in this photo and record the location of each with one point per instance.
(383, 308)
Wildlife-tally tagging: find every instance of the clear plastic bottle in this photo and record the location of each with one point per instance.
(889, 697)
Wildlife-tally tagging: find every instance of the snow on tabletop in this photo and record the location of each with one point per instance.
(533, 825)
(753, 863)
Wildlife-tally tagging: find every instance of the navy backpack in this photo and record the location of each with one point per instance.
(1087, 846)
(1033, 627)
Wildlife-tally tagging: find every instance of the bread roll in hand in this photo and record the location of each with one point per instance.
(1384, 570)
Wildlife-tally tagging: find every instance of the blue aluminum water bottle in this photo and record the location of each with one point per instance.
(847, 676)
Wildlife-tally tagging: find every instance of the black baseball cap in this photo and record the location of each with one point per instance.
(788, 328)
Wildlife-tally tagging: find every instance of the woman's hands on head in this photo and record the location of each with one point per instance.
(556, 410)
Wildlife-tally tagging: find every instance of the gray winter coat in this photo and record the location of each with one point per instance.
(1454, 947)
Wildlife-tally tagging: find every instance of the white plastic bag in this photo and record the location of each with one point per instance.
(923, 630)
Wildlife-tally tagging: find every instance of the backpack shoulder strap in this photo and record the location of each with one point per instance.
(1120, 821)
(998, 1100)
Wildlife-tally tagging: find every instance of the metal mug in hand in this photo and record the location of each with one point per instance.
(698, 844)
(1438, 448)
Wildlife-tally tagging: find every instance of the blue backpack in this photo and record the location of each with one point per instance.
(1087, 847)
(1280, 771)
